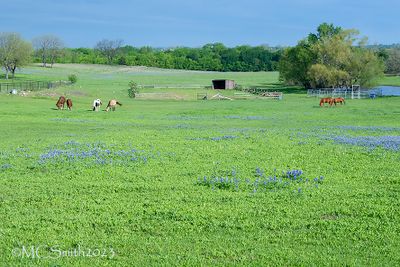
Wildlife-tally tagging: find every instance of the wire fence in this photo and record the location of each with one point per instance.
(344, 92)
(31, 85)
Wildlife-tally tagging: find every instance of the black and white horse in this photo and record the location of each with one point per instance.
(96, 104)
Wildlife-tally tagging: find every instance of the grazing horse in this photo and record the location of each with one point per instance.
(69, 104)
(96, 104)
(60, 103)
(328, 100)
(339, 100)
(111, 104)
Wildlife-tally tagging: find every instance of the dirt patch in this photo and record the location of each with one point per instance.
(51, 94)
(39, 94)
(76, 93)
(329, 217)
(159, 96)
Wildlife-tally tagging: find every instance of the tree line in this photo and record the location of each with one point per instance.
(331, 56)
(50, 49)
(210, 57)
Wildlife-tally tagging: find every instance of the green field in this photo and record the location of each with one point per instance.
(188, 182)
(390, 80)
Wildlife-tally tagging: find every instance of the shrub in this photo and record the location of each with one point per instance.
(133, 89)
(238, 87)
(72, 78)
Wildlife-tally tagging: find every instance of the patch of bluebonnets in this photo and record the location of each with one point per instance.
(94, 153)
(261, 182)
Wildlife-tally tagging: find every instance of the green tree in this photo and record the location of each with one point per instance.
(393, 61)
(229, 57)
(14, 52)
(324, 30)
(364, 67)
(295, 64)
(330, 58)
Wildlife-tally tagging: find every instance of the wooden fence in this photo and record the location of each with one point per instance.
(173, 86)
(261, 90)
(31, 85)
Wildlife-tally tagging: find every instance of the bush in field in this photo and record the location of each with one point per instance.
(238, 87)
(133, 89)
(72, 78)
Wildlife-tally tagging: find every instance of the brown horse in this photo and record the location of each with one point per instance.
(339, 100)
(328, 100)
(60, 103)
(69, 104)
(111, 104)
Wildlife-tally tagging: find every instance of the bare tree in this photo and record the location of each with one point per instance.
(56, 47)
(14, 52)
(48, 47)
(109, 48)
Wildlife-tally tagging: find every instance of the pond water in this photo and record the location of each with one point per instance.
(387, 90)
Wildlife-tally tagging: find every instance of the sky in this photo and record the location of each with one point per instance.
(170, 23)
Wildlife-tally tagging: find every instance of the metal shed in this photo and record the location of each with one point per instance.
(223, 84)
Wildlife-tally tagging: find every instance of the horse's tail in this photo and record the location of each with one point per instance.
(118, 103)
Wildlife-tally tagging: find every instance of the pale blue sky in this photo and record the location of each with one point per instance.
(194, 23)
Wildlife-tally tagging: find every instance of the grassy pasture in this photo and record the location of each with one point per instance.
(390, 80)
(196, 182)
